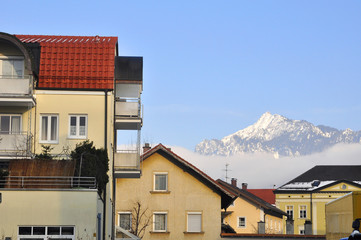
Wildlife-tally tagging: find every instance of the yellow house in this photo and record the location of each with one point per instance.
(251, 214)
(304, 198)
(177, 199)
(58, 91)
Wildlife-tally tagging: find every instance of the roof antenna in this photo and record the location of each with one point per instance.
(226, 170)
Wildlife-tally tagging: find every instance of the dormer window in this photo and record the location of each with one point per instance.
(11, 67)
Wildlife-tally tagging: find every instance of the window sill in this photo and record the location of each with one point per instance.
(156, 232)
(44, 142)
(159, 192)
(77, 138)
(193, 232)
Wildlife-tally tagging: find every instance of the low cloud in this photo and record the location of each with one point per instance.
(265, 171)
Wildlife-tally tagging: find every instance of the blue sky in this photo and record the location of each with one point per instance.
(212, 68)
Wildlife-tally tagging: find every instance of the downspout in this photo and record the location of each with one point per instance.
(105, 147)
(311, 209)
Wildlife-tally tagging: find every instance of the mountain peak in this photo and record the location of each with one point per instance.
(276, 134)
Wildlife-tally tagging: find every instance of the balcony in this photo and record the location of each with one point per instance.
(48, 182)
(128, 114)
(16, 91)
(127, 164)
(15, 144)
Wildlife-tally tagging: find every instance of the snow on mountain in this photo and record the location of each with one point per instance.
(274, 133)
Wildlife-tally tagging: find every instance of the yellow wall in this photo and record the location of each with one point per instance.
(186, 194)
(44, 208)
(253, 215)
(319, 201)
(64, 103)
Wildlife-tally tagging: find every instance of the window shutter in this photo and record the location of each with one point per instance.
(194, 222)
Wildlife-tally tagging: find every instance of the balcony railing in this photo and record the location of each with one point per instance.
(15, 86)
(48, 182)
(15, 143)
(128, 108)
(127, 159)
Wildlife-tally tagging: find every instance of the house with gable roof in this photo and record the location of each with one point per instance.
(251, 214)
(180, 200)
(304, 198)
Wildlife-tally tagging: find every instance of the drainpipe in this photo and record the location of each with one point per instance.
(105, 147)
(311, 206)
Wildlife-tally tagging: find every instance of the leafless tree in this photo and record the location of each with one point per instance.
(141, 219)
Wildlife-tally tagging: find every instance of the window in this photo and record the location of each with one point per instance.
(289, 211)
(78, 126)
(12, 67)
(161, 182)
(194, 222)
(46, 232)
(241, 222)
(303, 211)
(10, 124)
(160, 222)
(301, 230)
(125, 220)
(49, 129)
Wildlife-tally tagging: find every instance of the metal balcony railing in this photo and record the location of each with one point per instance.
(48, 182)
(15, 86)
(15, 143)
(127, 159)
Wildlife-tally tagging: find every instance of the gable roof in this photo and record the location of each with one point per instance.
(268, 208)
(265, 194)
(323, 176)
(226, 196)
(74, 62)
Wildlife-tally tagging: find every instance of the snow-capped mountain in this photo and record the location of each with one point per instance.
(279, 135)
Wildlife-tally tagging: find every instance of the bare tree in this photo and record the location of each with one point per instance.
(140, 219)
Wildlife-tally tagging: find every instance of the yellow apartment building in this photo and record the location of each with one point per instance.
(181, 202)
(304, 198)
(251, 214)
(58, 91)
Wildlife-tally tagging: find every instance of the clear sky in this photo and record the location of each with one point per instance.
(212, 68)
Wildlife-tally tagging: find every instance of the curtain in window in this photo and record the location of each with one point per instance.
(159, 222)
(82, 126)
(15, 124)
(72, 126)
(160, 182)
(44, 128)
(194, 222)
(54, 130)
(125, 221)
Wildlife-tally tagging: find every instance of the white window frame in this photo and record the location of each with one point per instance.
(49, 116)
(9, 58)
(10, 124)
(46, 235)
(130, 219)
(77, 126)
(301, 230)
(201, 223)
(238, 222)
(154, 180)
(165, 219)
(291, 209)
(302, 212)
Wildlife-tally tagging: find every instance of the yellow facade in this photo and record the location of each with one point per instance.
(185, 194)
(66, 103)
(252, 214)
(41, 208)
(303, 201)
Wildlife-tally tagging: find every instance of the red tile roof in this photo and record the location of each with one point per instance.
(265, 194)
(75, 62)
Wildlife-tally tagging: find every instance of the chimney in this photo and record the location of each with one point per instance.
(146, 147)
(244, 186)
(234, 182)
